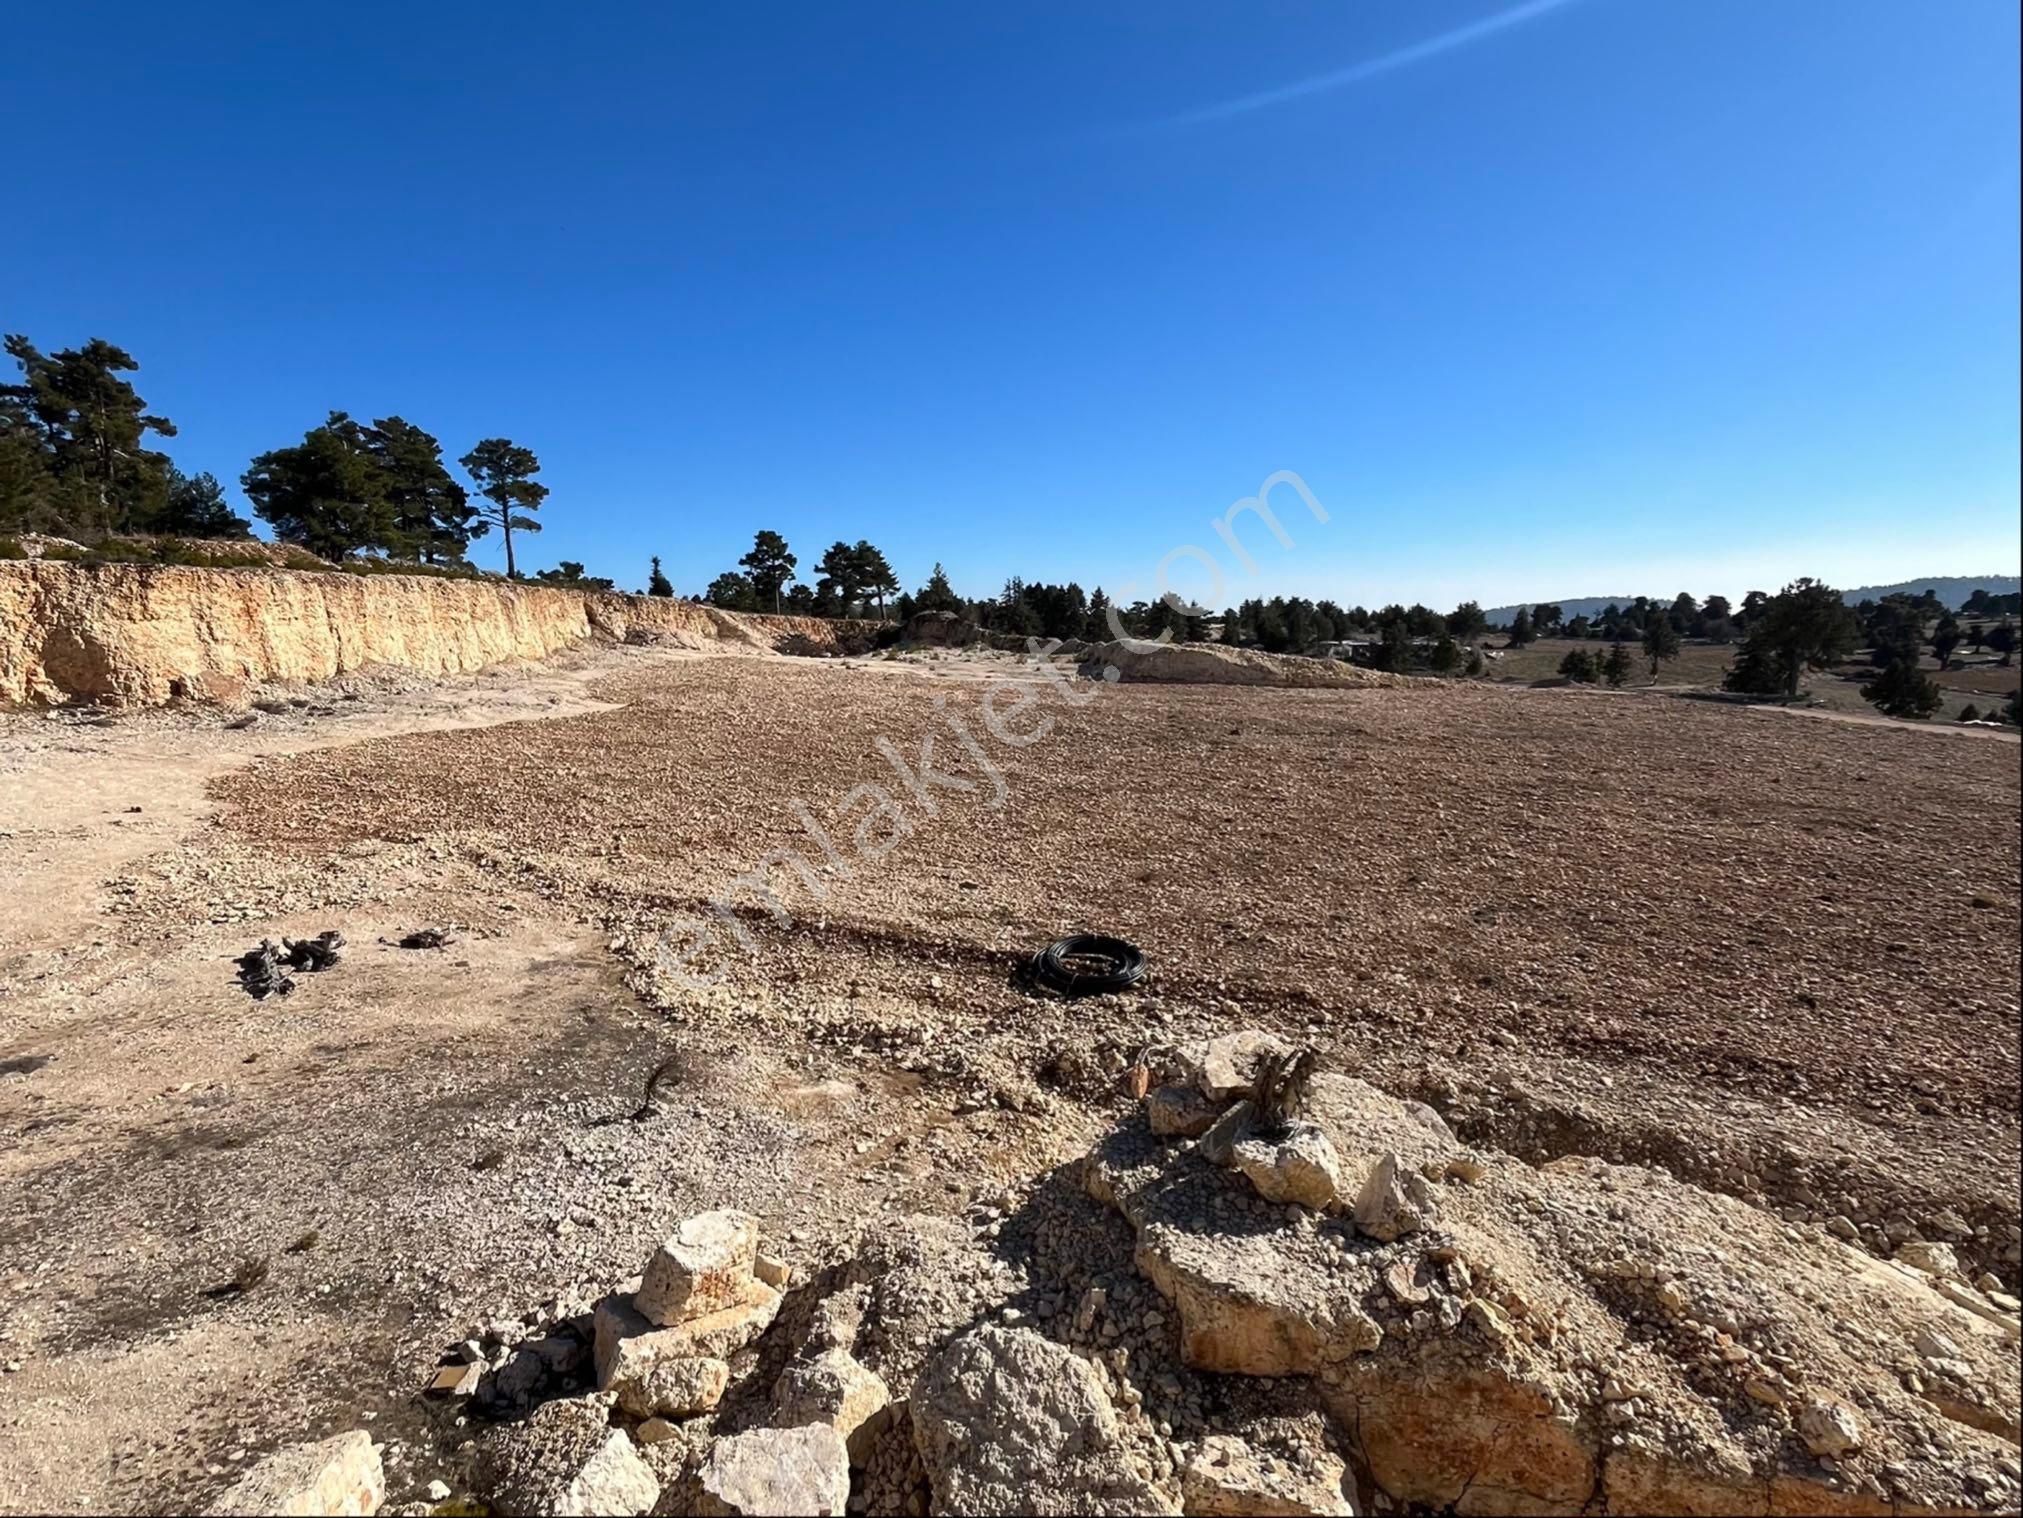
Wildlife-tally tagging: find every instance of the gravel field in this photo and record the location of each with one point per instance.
(1778, 957)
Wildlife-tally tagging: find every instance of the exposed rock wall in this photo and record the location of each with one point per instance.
(143, 635)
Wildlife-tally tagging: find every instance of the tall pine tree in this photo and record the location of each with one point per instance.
(504, 472)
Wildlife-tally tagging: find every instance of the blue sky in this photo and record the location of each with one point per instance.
(1602, 296)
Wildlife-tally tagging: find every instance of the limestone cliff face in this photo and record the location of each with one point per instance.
(143, 635)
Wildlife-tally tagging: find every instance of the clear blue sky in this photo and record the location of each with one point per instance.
(1603, 296)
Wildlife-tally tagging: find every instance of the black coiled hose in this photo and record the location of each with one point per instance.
(1124, 965)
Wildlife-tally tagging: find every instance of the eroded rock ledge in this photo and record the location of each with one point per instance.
(145, 635)
(1157, 1329)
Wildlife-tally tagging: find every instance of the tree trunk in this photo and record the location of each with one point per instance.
(507, 526)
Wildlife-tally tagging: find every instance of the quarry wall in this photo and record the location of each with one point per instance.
(145, 635)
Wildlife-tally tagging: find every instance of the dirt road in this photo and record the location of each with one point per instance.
(1781, 958)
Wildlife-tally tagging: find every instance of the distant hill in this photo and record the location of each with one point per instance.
(1572, 606)
(1950, 589)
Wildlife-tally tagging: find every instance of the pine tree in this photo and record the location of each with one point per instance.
(1945, 638)
(1617, 666)
(1661, 643)
(1097, 627)
(731, 591)
(327, 493)
(1804, 626)
(874, 575)
(769, 567)
(841, 584)
(657, 584)
(1466, 622)
(505, 472)
(1520, 628)
(432, 513)
(195, 507)
(91, 427)
(1901, 689)
(937, 594)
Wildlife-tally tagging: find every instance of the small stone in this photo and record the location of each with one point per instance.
(1225, 1478)
(1829, 1428)
(1489, 1318)
(438, 1491)
(1768, 1392)
(1219, 1142)
(1179, 1112)
(1300, 1168)
(773, 1270)
(1229, 1064)
(1932, 1259)
(1466, 1167)
(457, 1380)
(1401, 1279)
(656, 1431)
(1934, 1345)
(1395, 1201)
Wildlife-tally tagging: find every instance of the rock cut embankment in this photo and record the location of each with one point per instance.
(145, 635)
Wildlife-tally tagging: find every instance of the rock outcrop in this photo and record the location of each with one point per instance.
(1495, 1337)
(1450, 1330)
(1010, 1422)
(145, 635)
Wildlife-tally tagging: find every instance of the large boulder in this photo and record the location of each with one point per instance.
(1009, 1422)
(767, 1471)
(336, 1478)
(830, 1387)
(705, 1266)
(642, 1363)
(565, 1460)
(673, 1386)
(1395, 1201)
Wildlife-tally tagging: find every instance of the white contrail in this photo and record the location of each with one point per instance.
(1356, 73)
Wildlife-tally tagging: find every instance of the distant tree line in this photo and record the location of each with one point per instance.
(75, 462)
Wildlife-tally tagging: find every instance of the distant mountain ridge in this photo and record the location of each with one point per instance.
(1950, 589)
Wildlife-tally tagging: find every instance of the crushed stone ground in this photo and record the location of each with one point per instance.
(1778, 958)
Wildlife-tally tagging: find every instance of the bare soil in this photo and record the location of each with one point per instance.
(1778, 957)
